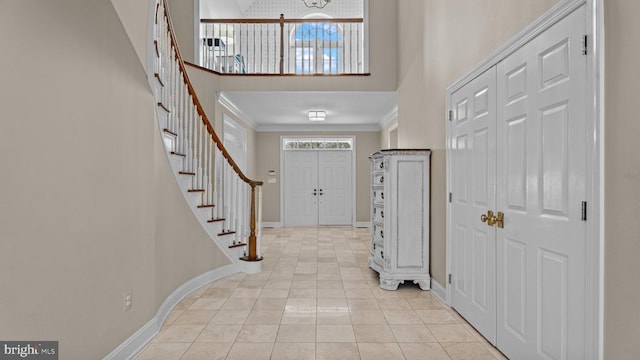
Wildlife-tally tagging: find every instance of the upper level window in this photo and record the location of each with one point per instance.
(318, 48)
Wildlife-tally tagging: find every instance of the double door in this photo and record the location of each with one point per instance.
(317, 187)
(518, 175)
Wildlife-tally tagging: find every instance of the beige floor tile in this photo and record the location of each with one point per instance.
(362, 304)
(337, 351)
(423, 351)
(264, 317)
(163, 351)
(331, 293)
(195, 317)
(253, 351)
(373, 333)
(334, 317)
(436, 317)
(380, 351)
(394, 304)
(352, 284)
(270, 304)
(412, 333)
(219, 333)
(245, 293)
(303, 293)
(209, 351)
(179, 333)
(173, 315)
(368, 317)
(296, 333)
(230, 317)
(335, 333)
(258, 333)
(407, 317)
(329, 284)
(238, 304)
(451, 333)
(274, 293)
(207, 304)
(294, 351)
(467, 351)
(218, 292)
(362, 293)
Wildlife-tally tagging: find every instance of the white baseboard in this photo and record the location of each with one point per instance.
(271, 224)
(438, 290)
(363, 224)
(136, 342)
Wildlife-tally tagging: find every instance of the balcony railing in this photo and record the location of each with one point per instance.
(283, 46)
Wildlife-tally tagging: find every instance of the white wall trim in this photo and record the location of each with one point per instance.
(438, 290)
(393, 114)
(363, 224)
(322, 128)
(232, 108)
(136, 342)
(275, 224)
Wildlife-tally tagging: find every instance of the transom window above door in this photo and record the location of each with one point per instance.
(317, 144)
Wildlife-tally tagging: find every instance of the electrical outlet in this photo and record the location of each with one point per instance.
(127, 300)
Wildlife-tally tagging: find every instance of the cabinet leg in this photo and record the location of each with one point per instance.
(389, 284)
(424, 284)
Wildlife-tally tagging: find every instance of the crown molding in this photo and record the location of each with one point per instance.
(229, 105)
(318, 128)
(390, 116)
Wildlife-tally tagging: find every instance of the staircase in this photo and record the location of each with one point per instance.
(225, 201)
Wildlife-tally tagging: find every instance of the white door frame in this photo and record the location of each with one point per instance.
(228, 124)
(353, 168)
(594, 275)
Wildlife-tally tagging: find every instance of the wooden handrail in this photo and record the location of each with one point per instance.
(252, 239)
(277, 21)
(199, 106)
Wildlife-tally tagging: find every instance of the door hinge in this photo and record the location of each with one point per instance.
(450, 197)
(449, 278)
(450, 115)
(584, 211)
(585, 45)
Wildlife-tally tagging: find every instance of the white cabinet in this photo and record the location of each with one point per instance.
(400, 217)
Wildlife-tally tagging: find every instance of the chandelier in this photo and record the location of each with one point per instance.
(316, 3)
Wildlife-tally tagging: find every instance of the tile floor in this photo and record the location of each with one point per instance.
(316, 298)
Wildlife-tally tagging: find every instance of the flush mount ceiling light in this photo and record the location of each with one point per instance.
(316, 3)
(317, 115)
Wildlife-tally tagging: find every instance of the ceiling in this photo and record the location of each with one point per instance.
(287, 110)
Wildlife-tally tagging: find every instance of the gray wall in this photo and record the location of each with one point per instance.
(89, 207)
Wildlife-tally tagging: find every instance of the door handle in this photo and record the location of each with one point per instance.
(492, 219)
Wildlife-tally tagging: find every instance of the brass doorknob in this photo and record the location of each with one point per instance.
(492, 219)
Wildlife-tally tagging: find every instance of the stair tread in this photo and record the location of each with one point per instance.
(237, 245)
(215, 220)
(169, 132)
(177, 154)
(157, 76)
(226, 233)
(195, 190)
(205, 206)
(186, 173)
(161, 105)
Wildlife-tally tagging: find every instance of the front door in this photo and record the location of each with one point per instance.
(317, 187)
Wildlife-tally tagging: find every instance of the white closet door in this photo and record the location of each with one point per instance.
(473, 183)
(334, 188)
(301, 187)
(541, 171)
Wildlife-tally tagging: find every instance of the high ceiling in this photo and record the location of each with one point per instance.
(283, 110)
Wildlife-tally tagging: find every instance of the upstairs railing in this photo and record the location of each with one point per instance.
(231, 197)
(283, 46)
